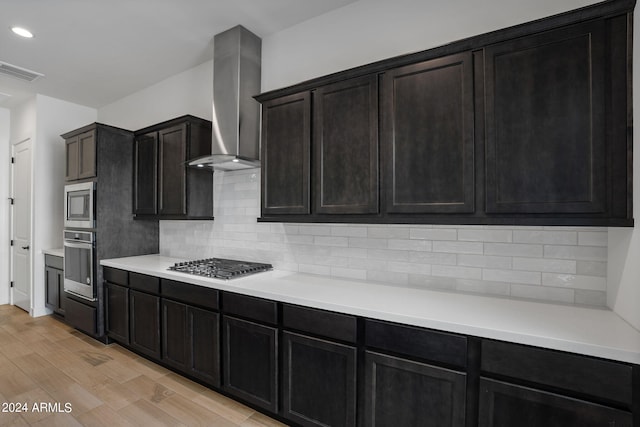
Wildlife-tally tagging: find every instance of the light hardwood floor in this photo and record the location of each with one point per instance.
(43, 361)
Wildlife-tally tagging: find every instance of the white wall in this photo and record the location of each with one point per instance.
(189, 92)
(5, 153)
(43, 119)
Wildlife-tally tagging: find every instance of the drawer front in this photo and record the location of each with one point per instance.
(417, 342)
(582, 374)
(114, 275)
(81, 316)
(54, 261)
(190, 294)
(251, 307)
(320, 322)
(144, 283)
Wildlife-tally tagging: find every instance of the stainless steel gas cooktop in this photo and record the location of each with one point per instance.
(220, 268)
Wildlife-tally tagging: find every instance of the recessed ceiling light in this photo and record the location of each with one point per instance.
(23, 32)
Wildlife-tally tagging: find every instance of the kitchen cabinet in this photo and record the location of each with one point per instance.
(117, 312)
(191, 334)
(545, 115)
(527, 125)
(345, 147)
(534, 386)
(144, 314)
(428, 136)
(80, 153)
(318, 371)
(250, 350)
(164, 187)
(55, 298)
(286, 151)
(406, 386)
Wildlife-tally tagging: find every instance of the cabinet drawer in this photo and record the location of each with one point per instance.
(190, 294)
(54, 261)
(251, 307)
(81, 316)
(144, 283)
(320, 322)
(417, 342)
(114, 275)
(581, 374)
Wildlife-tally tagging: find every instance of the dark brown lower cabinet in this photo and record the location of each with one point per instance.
(190, 340)
(319, 381)
(117, 312)
(400, 392)
(55, 298)
(250, 362)
(144, 323)
(503, 404)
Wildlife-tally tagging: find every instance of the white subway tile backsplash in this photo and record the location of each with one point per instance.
(557, 264)
(503, 236)
(513, 249)
(545, 265)
(512, 276)
(458, 247)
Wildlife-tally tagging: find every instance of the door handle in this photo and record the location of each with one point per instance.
(26, 248)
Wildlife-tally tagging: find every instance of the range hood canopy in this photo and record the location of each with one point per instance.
(237, 54)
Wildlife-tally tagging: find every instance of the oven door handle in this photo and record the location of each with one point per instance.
(77, 245)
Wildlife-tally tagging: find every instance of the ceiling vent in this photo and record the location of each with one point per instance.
(18, 72)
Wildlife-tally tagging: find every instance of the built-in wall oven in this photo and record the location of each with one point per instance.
(79, 207)
(79, 263)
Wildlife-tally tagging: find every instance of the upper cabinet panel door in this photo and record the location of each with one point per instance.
(145, 174)
(346, 147)
(545, 122)
(87, 155)
(286, 139)
(172, 175)
(71, 152)
(427, 136)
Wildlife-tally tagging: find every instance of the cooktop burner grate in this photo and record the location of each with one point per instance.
(220, 268)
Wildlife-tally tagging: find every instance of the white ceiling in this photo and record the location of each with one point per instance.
(94, 52)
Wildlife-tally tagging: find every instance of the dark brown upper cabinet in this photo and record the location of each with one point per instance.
(164, 187)
(345, 147)
(527, 125)
(427, 136)
(80, 152)
(286, 145)
(545, 122)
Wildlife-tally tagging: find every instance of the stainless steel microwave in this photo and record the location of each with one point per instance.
(79, 207)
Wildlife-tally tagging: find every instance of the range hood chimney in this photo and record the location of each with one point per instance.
(237, 54)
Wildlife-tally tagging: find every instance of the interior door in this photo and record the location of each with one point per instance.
(21, 225)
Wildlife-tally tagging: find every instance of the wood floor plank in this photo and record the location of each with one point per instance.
(44, 361)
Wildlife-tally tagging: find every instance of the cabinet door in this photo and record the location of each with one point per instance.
(175, 338)
(62, 296)
(204, 335)
(117, 312)
(319, 381)
(52, 288)
(545, 122)
(346, 147)
(503, 404)
(145, 174)
(172, 143)
(144, 318)
(427, 136)
(71, 158)
(399, 392)
(250, 362)
(286, 144)
(87, 155)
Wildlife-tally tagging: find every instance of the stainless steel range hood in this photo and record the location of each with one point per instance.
(236, 115)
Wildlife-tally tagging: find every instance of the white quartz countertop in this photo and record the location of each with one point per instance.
(55, 252)
(593, 332)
